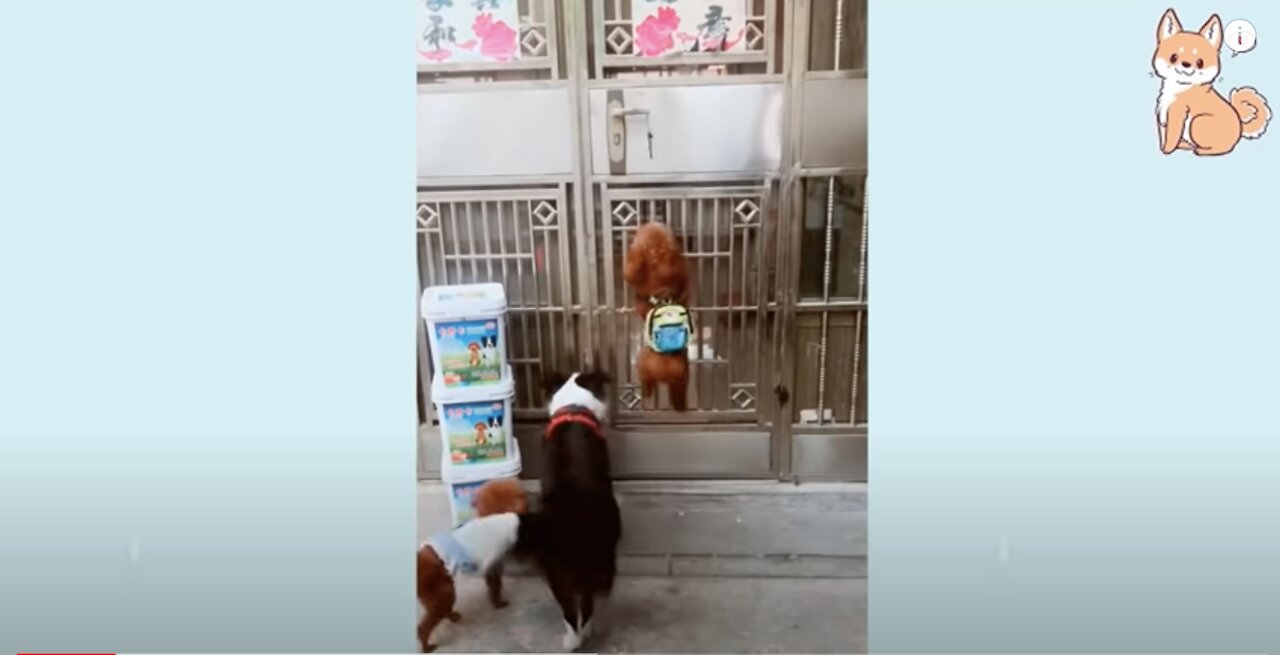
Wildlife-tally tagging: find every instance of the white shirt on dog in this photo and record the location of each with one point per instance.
(477, 544)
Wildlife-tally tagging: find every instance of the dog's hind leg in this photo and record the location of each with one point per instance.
(678, 390)
(562, 589)
(493, 580)
(439, 607)
(587, 611)
(425, 627)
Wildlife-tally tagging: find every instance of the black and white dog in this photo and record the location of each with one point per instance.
(573, 537)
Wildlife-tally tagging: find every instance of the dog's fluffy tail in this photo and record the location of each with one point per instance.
(1254, 112)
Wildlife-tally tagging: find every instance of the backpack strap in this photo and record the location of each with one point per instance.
(648, 327)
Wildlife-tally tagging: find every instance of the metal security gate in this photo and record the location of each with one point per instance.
(535, 171)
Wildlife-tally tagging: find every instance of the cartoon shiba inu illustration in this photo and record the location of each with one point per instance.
(1190, 113)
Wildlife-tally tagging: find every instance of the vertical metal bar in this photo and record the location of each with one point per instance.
(747, 374)
(857, 365)
(795, 62)
(506, 283)
(598, 38)
(553, 41)
(822, 368)
(471, 243)
(637, 324)
(770, 31)
(537, 292)
(488, 244)
(578, 72)
(761, 297)
(424, 364)
(829, 227)
(623, 331)
(531, 391)
(444, 263)
(826, 297)
(734, 365)
(839, 36)
(621, 360)
(423, 260)
(861, 315)
(428, 256)
(716, 373)
(457, 247)
(502, 246)
(565, 269)
(862, 257)
(708, 397)
(555, 334)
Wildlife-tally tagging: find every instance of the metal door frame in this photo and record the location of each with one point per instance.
(842, 443)
(568, 30)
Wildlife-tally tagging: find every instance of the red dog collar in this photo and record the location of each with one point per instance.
(574, 415)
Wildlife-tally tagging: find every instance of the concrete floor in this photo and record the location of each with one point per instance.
(671, 615)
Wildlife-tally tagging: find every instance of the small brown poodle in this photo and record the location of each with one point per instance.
(484, 544)
(497, 497)
(656, 270)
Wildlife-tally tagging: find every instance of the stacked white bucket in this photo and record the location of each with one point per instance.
(472, 388)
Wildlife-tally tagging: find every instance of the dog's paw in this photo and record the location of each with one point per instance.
(454, 616)
(429, 648)
(571, 640)
(499, 603)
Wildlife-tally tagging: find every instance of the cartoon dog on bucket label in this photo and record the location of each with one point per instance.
(489, 352)
(495, 429)
(1190, 113)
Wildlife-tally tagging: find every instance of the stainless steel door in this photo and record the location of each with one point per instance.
(536, 172)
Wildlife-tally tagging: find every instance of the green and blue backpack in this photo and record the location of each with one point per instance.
(667, 328)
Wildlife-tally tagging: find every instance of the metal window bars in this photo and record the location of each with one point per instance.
(838, 36)
(519, 237)
(726, 233)
(831, 312)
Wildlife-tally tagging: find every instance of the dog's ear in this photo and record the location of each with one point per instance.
(1212, 31)
(552, 382)
(595, 381)
(1169, 25)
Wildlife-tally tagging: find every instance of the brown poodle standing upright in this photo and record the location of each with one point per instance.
(657, 271)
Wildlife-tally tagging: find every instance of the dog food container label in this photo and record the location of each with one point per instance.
(475, 422)
(467, 329)
(460, 500)
(461, 482)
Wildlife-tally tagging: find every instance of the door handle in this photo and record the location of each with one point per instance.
(616, 115)
(624, 112)
(618, 130)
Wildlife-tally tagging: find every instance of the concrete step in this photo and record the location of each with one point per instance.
(723, 528)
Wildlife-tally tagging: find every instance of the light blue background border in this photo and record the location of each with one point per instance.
(207, 365)
(207, 373)
(1076, 357)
